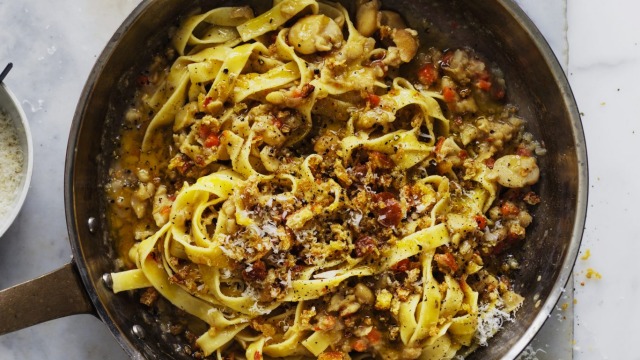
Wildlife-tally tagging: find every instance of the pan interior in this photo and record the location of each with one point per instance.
(495, 29)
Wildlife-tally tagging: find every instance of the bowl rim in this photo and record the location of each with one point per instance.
(20, 199)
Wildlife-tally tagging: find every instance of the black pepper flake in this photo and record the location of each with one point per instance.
(226, 71)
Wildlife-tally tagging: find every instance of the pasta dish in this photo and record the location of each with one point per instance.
(314, 183)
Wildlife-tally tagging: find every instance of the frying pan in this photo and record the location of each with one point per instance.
(499, 29)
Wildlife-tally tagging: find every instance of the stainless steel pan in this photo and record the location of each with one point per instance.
(495, 28)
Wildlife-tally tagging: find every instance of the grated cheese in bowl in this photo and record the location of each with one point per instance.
(11, 164)
(16, 158)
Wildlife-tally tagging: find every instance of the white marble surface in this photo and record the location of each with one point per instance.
(53, 46)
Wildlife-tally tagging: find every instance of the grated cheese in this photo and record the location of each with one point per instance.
(11, 164)
(490, 322)
(355, 218)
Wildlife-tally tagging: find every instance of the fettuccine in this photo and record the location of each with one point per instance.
(280, 181)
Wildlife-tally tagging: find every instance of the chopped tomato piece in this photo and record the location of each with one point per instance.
(365, 245)
(428, 74)
(449, 94)
(373, 99)
(212, 140)
(481, 220)
(483, 85)
(484, 75)
(388, 209)
(446, 260)
(463, 154)
(463, 283)
(523, 151)
(206, 101)
(405, 265)
(439, 144)
(204, 131)
(359, 345)
(303, 92)
(509, 208)
(402, 265)
(374, 336)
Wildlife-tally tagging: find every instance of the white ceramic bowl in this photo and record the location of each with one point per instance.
(10, 105)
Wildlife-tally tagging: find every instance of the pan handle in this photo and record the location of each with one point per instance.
(55, 295)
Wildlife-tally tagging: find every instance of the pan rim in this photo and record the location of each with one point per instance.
(582, 192)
